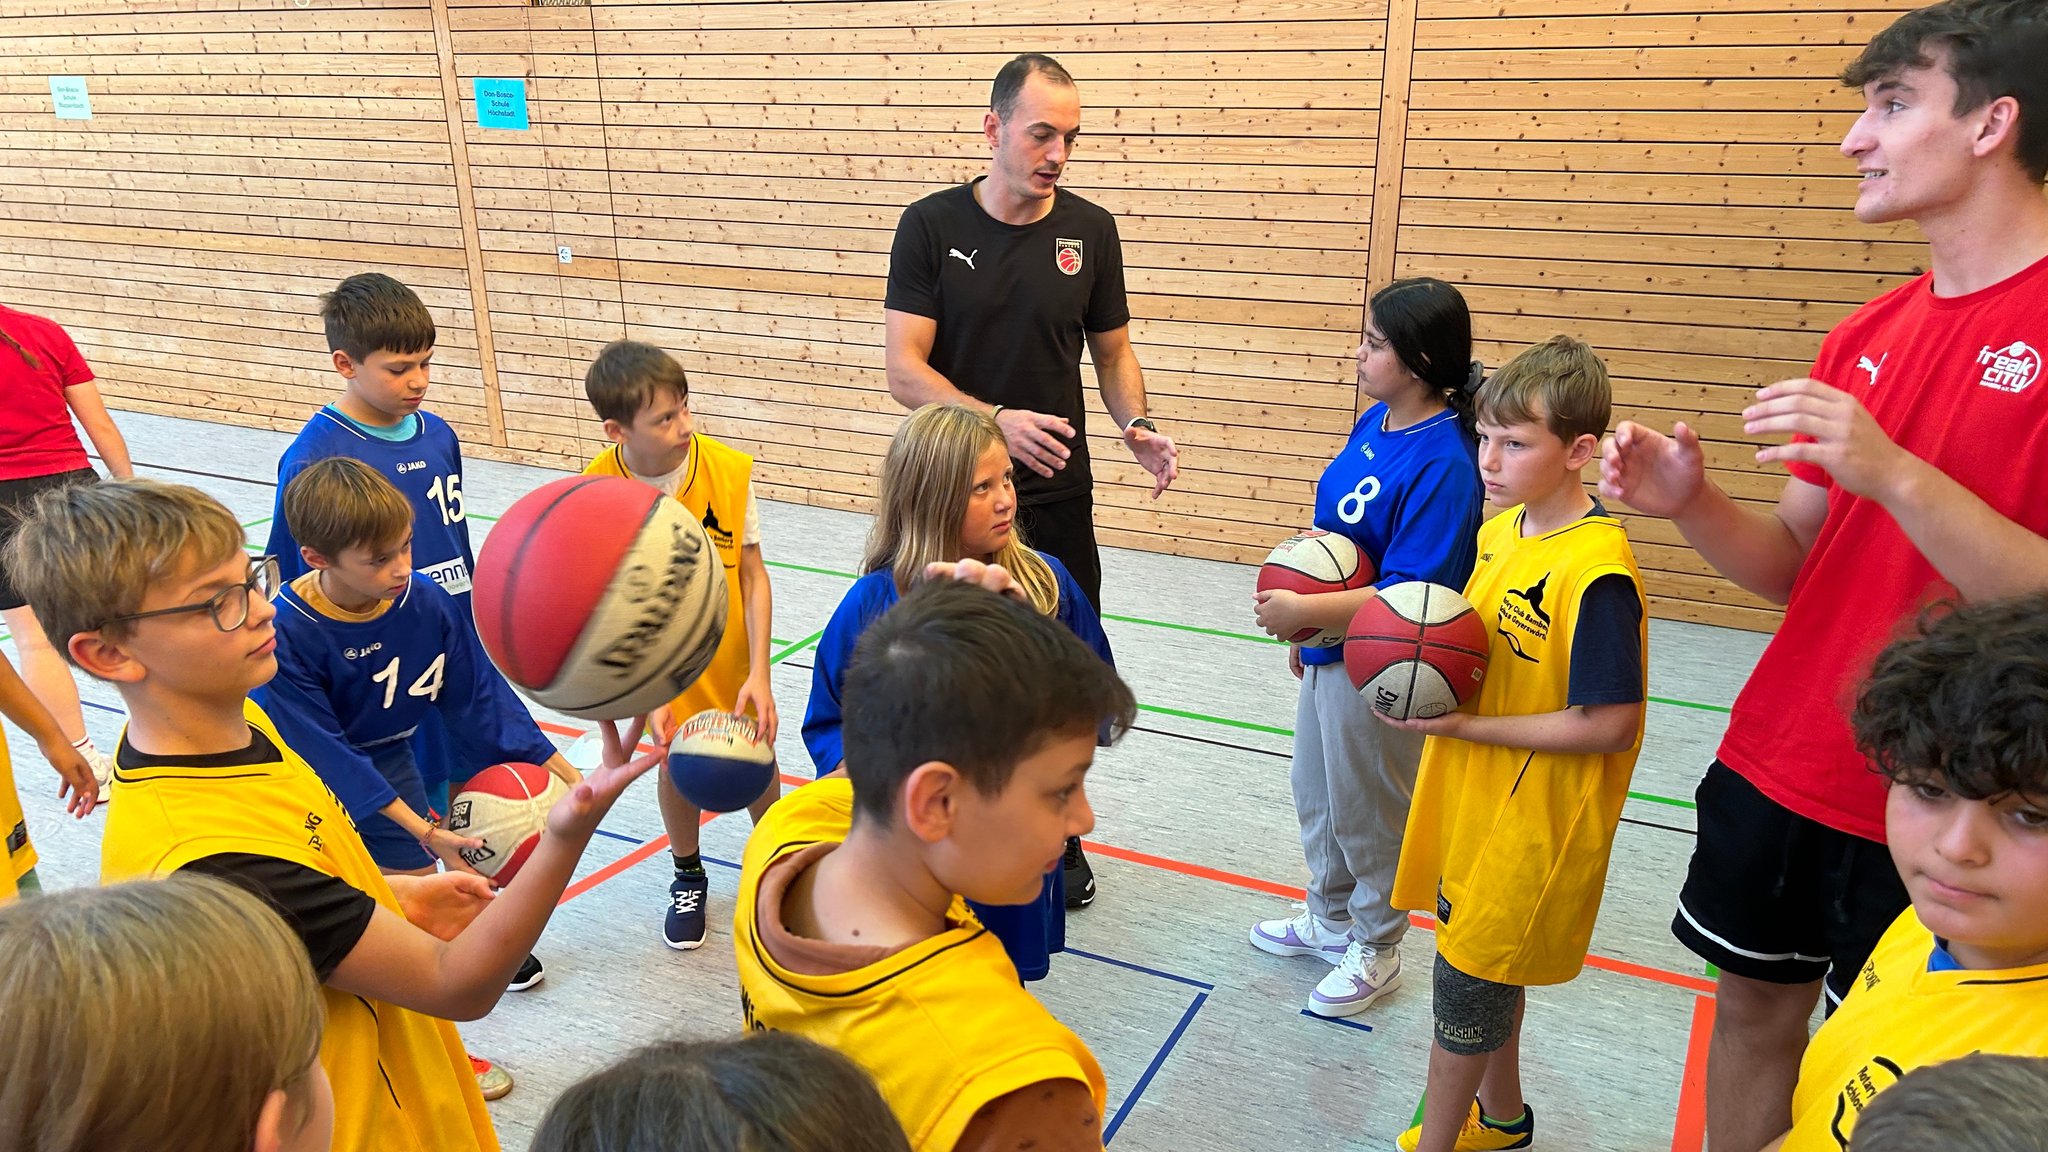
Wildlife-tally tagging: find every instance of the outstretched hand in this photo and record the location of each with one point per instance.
(1653, 473)
(1156, 453)
(1842, 436)
(577, 814)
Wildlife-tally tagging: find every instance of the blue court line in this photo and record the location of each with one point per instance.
(1338, 1020)
(1109, 1130)
(1188, 980)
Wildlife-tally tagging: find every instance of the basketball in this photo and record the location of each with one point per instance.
(1314, 562)
(719, 761)
(1416, 650)
(505, 806)
(599, 597)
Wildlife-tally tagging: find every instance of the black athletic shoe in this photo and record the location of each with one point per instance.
(683, 927)
(1080, 877)
(530, 973)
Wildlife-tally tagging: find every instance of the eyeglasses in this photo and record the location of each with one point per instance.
(229, 607)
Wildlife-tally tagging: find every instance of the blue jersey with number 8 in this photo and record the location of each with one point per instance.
(426, 466)
(1410, 499)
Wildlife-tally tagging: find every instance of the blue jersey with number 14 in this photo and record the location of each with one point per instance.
(427, 467)
(1410, 499)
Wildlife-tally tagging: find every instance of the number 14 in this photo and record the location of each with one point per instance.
(428, 685)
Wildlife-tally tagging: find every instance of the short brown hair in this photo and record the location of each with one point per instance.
(629, 375)
(341, 503)
(371, 312)
(1565, 376)
(91, 552)
(153, 1014)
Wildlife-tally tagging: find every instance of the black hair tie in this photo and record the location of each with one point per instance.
(1474, 377)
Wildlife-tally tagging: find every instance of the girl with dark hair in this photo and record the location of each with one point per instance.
(757, 1092)
(1405, 489)
(43, 382)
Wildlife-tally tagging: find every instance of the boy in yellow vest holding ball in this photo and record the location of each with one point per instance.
(1517, 800)
(641, 394)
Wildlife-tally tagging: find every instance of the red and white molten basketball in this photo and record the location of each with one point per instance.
(1416, 650)
(1314, 562)
(600, 597)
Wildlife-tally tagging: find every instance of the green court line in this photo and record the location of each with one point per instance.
(1228, 635)
(1669, 801)
(795, 648)
(1713, 973)
(1722, 708)
(811, 570)
(1222, 720)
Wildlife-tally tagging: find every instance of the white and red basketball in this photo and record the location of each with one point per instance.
(1416, 650)
(505, 806)
(599, 597)
(1314, 562)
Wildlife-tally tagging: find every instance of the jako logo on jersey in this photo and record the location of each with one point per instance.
(359, 653)
(411, 466)
(1863, 364)
(2010, 369)
(1067, 254)
(964, 258)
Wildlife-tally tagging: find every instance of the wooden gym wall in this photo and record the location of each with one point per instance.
(1657, 176)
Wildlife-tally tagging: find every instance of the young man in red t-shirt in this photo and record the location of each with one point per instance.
(43, 381)
(1918, 456)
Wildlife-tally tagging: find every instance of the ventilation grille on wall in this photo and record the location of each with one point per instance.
(561, 3)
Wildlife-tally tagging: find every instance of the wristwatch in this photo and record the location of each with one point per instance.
(1144, 422)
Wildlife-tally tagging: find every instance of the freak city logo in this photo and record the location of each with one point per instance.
(2011, 368)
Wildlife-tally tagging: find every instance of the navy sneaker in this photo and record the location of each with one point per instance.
(683, 927)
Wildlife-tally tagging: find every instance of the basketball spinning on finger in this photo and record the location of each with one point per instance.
(599, 597)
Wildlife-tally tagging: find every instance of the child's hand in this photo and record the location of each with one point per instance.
(1449, 724)
(576, 815)
(450, 847)
(76, 776)
(757, 694)
(662, 725)
(1294, 660)
(563, 770)
(444, 903)
(993, 577)
(1281, 613)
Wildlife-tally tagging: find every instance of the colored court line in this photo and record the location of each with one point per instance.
(1689, 1133)
(797, 647)
(1337, 1020)
(1158, 1060)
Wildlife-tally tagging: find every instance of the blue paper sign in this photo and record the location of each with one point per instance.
(68, 96)
(501, 104)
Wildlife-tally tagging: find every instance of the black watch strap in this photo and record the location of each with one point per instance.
(1144, 422)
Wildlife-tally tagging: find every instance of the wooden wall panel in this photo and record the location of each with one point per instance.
(728, 178)
(1663, 181)
(1659, 177)
(242, 158)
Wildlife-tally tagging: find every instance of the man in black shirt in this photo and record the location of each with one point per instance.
(994, 284)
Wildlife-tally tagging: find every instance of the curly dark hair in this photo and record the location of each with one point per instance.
(1964, 701)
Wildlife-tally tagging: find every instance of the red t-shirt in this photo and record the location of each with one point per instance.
(1958, 383)
(36, 437)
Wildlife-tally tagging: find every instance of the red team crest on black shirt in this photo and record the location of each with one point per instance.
(1067, 254)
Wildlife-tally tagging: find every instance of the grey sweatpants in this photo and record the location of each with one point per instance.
(1354, 777)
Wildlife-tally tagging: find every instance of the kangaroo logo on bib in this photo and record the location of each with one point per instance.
(1067, 254)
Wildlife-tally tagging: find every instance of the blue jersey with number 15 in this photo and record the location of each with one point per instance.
(427, 467)
(1410, 499)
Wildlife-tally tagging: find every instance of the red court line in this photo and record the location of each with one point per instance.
(1165, 864)
(1426, 923)
(1690, 1134)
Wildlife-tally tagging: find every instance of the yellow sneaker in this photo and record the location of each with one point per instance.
(494, 1081)
(1481, 1134)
